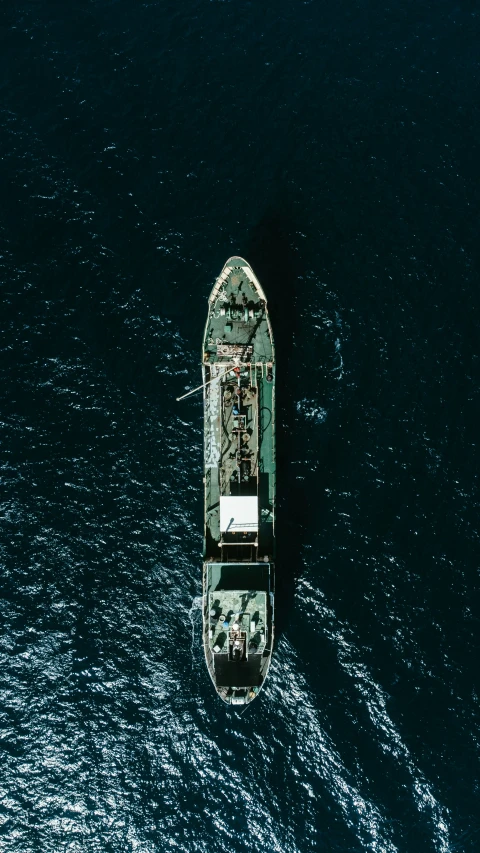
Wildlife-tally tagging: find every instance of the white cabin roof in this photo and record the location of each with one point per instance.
(238, 514)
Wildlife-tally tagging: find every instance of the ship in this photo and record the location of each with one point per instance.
(238, 364)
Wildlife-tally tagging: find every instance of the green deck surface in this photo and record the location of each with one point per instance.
(238, 333)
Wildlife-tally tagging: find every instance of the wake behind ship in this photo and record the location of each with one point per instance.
(239, 409)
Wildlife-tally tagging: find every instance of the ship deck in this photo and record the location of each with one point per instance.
(239, 411)
(238, 630)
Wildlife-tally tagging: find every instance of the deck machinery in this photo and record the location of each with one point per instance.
(239, 408)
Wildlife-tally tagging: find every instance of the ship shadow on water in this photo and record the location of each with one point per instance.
(273, 258)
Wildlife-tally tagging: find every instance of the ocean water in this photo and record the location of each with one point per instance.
(336, 146)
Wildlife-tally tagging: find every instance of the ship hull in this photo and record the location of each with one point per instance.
(238, 363)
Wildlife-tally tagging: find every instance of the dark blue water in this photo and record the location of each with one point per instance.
(336, 146)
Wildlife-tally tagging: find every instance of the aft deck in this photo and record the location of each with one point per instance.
(238, 629)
